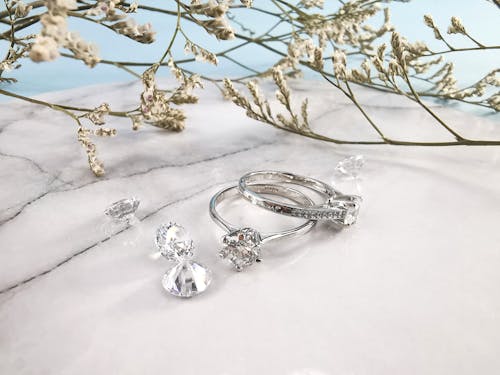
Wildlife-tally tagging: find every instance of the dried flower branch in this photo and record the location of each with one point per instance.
(317, 40)
(260, 109)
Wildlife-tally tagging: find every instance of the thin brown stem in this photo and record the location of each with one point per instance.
(436, 117)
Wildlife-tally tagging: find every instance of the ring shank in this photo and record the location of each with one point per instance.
(283, 191)
(278, 190)
(337, 207)
(285, 177)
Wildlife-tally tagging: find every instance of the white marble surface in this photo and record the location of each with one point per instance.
(413, 288)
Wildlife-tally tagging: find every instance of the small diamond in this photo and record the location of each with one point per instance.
(173, 242)
(123, 210)
(351, 166)
(187, 279)
(241, 247)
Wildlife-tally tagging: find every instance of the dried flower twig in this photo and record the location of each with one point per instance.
(317, 40)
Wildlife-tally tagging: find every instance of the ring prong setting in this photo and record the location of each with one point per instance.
(241, 247)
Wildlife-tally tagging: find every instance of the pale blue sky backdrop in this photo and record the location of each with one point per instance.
(482, 19)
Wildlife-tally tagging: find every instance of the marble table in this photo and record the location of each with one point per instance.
(412, 288)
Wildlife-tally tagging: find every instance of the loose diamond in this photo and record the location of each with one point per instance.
(241, 247)
(187, 279)
(351, 166)
(123, 210)
(173, 242)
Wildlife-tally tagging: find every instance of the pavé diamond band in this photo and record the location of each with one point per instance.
(339, 208)
(241, 246)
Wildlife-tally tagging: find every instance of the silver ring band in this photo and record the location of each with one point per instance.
(339, 208)
(282, 191)
(241, 245)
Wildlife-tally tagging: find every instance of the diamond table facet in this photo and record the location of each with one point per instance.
(187, 279)
(241, 247)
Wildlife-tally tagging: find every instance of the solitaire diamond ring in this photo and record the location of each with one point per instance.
(241, 246)
(337, 207)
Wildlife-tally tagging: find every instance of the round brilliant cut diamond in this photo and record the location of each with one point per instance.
(350, 166)
(173, 242)
(187, 279)
(241, 247)
(123, 210)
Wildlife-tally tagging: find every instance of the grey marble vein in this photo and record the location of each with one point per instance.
(97, 243)
(410, 289)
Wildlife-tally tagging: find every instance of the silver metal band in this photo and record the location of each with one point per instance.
(282, 191)
(242, 246)
(339, 208)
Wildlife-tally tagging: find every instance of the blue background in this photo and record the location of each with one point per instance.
(481, 18)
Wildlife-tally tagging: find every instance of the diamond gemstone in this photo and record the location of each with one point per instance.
(348, 209)
(351, 166)
(351, 214)
(173, 242)
(241, 247)
(123, 210)
(187, 279)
